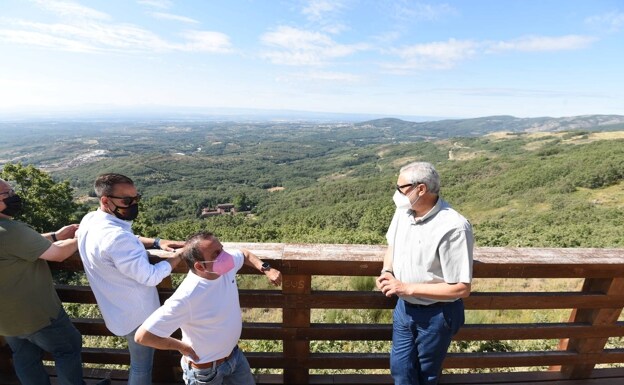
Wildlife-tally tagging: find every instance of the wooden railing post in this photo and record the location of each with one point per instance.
(296, 352)
(608, 286)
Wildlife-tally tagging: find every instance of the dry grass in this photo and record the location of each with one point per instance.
(612, 196)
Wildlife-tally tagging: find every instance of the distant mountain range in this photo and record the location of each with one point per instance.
(346, 127)
(488, 124)
(167, 113)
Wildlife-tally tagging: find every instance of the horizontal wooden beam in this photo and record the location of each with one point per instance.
(375, 300)
(380, 360)
(383, 332)
(358, 260)
(467, 360)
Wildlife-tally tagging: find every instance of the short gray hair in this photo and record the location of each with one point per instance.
(422, 172)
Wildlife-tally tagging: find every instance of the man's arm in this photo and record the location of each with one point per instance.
(60, 251)
(274, 275)
(164, 244)
(144, 337)
(173, 258)
(441, 290)
(65, 232)
(128, 255)
(387, 270)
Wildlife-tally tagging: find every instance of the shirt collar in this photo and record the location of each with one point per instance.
(434, 210)
(110, 217)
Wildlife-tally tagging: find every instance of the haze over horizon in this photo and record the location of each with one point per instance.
(373, 58)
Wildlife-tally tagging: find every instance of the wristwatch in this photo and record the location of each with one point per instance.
(265, 266)
(156, 244)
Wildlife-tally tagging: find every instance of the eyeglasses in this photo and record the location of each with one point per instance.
(127, 200)
(401, 187)
(9, 193)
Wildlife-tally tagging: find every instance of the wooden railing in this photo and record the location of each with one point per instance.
(595, 310)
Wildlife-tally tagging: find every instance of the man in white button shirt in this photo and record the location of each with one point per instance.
(117, 267)
(205, 306)
(428, 265)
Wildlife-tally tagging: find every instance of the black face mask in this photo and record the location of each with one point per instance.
(126, 213)
(13, 205)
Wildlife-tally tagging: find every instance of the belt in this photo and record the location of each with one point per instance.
(418, 306)
(212, 364)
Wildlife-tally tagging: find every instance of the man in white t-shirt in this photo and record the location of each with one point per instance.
(428, 265)
(206, 307)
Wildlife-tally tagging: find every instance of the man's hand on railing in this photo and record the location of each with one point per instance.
(65, 232)
(169, 245)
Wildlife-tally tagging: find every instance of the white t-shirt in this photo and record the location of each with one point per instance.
(119, 272)
(207, 311)
(435, 248)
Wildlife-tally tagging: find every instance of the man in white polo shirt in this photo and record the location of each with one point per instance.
(428, 265)
(118, 269)
(206, 307)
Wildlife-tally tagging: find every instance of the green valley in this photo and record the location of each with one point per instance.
(333, 183)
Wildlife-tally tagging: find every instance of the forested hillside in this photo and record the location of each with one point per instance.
(334, 183)
(528, 190)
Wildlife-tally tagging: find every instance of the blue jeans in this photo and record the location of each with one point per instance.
(62, 340)
(420, 339)
(234, 371)
(141, 361)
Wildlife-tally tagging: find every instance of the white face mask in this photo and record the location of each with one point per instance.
(404, 202)
(401, 201)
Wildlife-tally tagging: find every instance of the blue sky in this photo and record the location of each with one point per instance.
(475, 58)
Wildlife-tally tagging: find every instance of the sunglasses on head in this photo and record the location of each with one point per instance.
(127, 200)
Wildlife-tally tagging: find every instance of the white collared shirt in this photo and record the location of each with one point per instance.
(436, 247)
(117, 267)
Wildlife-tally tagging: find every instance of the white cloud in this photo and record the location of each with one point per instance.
(436, 55)
(206, 41)
(609, 22)
(315, 10)
(342, 77)
(334, 28)
(88, 30)
(70, 9)
(161, 4)
(405, 14)
(446, 55)
(407, 10)
(85, 36)
(293, 46)
(543, 43)
(45, 40)
(326, 14)
(170, 16)
(517, 93)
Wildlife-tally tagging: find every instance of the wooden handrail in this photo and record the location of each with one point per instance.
(596, 309)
